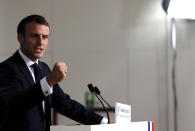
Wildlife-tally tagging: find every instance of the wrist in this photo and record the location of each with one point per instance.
(50, 80)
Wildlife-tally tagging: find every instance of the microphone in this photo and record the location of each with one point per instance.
(97, 91)
(92, 89)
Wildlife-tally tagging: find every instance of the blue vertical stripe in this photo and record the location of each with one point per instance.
(148, 126)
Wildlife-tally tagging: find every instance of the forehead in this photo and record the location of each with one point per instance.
(34, 27)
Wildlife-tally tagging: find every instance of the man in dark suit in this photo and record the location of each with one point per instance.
(27, 93)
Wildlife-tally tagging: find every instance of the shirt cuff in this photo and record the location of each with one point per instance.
(104, 121)
(46, 89)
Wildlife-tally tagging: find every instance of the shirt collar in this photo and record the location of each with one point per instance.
(27, 61)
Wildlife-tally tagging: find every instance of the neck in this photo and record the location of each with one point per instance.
(23, 53)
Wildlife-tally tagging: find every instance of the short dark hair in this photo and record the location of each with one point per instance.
(31, 18)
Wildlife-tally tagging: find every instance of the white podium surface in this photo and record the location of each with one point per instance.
(133, 126)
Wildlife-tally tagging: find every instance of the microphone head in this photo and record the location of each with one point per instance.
(97, 91)
(91, 88)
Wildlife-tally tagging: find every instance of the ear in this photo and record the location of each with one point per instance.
(20, 38)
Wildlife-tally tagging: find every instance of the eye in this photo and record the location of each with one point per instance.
(34, 35)
(45, 36)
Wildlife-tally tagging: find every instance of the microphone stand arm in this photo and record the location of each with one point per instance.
(103, 107)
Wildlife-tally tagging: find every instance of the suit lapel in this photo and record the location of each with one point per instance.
(23, 68)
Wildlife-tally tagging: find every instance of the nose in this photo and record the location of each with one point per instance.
(40, 40)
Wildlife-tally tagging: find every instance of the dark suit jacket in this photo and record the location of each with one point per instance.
(20, 98)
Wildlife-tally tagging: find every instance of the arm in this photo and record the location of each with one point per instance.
(64, 104)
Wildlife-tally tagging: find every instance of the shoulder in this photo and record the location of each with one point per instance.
(13, 60)
(8, 67)
(8, 64)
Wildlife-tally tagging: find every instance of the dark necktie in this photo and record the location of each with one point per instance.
(37, 72)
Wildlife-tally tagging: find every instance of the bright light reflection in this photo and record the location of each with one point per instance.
(182, 9)
(173, 35)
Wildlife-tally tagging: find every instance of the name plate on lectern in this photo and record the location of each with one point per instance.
(122, 113)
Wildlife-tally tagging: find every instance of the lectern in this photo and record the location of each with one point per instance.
(133, 126)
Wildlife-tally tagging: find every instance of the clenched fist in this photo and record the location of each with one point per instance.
(58, 73)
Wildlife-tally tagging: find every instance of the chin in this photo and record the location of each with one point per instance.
(38, 56)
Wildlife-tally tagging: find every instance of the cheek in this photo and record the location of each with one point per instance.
(45, 44)
(30, 43)
(27, 45)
